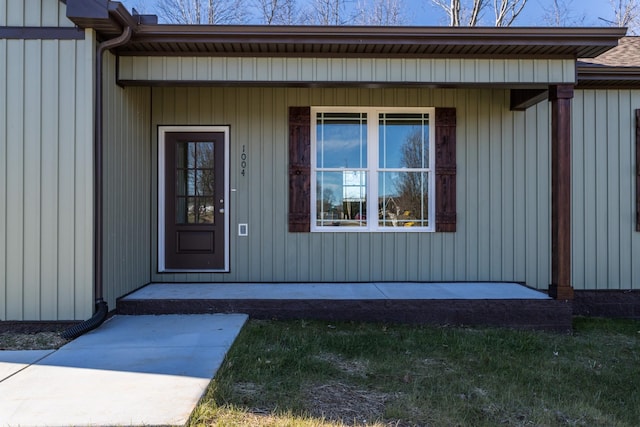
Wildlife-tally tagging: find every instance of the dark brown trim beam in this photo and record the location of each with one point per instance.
(96, 9)
(305, 84)
(637, 170)
(387, 41)
(521, 99)
(41, 33)
(560, 97)
(605, 77)
(580, 39)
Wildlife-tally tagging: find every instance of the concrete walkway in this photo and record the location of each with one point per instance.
(133, 370)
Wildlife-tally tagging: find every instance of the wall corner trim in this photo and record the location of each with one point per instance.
(638, 170)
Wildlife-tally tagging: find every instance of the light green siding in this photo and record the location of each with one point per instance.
(33, 13)
(606, 247)
(502, 196)
(127, 186)
(341, 70)
(46, 110)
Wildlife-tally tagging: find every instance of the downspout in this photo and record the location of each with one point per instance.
(101, 306)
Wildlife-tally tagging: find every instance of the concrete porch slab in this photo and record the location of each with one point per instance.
(336, 291)
(471, 303)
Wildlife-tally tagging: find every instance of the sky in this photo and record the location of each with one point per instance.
(585, 12)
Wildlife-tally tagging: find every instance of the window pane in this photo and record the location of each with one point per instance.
(402, 199)
(185, 182)
(195, 210)
(204, 182)
(204, 158)
(404, 141)
(341, 199)
(186, 210)
(181, 210)
(186, 154)
(341, 140)
(204, 214)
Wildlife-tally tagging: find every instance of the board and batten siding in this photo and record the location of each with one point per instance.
(346, 70)
(34, 13)
(503, 196)
(46, 135)
(606, 247)
(127, 186)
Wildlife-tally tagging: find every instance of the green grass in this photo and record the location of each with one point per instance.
(304, 373)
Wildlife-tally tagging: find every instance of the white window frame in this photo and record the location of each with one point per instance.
(373, 168)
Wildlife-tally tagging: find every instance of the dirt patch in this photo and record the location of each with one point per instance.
(344, 403)
(31, 341)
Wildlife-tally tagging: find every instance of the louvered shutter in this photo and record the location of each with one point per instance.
(299, 169)
(445, 134)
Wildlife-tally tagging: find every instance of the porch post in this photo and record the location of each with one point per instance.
(560, 97)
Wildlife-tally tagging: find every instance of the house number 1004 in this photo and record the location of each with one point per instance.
(243, 161)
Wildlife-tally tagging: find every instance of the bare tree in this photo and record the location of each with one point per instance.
(277, 12)
(469, 13)
(380, 12)
(561, 13)
(327, 12)
(202, 11)
(626, 13)
(461, 14)
(507, 11)
(140, 7)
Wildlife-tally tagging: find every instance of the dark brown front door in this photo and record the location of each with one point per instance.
(194, 201)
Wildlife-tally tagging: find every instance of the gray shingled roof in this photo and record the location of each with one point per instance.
(626, 54)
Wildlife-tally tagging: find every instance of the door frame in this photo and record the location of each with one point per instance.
(162, 131)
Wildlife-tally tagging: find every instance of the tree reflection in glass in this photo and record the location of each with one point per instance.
(404, 162)
(195, 183)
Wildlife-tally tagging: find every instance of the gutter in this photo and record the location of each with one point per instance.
(101, 306)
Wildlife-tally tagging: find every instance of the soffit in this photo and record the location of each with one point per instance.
(276, 41)
(616, 68)
(108, 18)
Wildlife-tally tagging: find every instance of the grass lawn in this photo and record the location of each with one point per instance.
(303, 373)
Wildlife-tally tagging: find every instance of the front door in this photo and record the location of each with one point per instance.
(195, 219)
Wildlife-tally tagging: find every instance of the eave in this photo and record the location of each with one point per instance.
(108, 18)
(607, 77)
(358, 41)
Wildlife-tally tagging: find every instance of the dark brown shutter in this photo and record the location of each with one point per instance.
(637, 170)
(445, 169)
(299, 169)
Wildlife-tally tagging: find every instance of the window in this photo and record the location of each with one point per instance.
(372, 169)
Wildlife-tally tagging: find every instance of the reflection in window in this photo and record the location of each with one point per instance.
(403, 170)
(341, 198)
(195, 183)
(341, 159)
(341, 140)
(388, 161)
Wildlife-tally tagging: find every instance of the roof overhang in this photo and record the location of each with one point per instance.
(109, 17)
(354, 41)
(607, 77)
